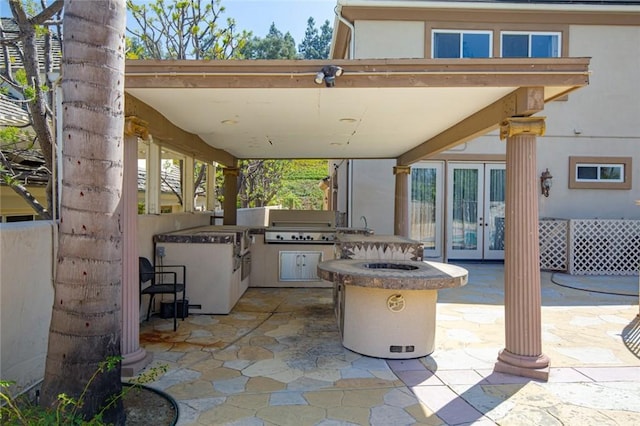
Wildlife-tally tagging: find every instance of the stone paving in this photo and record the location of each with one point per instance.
(276, 359)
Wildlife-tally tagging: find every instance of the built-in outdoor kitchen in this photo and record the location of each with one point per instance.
(384, 294)
(218, 263)
(287, 252)
(223, 261)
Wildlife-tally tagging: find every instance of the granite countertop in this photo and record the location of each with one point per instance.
(212, 234)
(373, 238)
(393, 274)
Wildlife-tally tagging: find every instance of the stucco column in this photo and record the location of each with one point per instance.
(211, 187)
(522, 355)
(188, 190)
(230, 195)
(153, 189)
(401, 201)
(134, 357)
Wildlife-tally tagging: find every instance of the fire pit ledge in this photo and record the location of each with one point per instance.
(393, 274)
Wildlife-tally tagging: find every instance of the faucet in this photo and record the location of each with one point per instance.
(364, 219)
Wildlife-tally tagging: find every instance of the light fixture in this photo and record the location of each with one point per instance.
(328, 74)
(545, 182)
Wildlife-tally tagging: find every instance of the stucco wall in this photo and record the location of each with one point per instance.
(26, 298)
(149, 225)
(258, 216)
(26, 288)
(600, 120)
(389, 39)
(374, 194)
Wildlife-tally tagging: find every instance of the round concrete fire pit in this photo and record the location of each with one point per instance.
(387, 308)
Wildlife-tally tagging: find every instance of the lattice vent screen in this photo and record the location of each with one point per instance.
(553, 244)
(604, 247)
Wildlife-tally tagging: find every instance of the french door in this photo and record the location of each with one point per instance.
(475, 211)
(425, 206)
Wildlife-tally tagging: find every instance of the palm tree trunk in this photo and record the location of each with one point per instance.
(86, 320)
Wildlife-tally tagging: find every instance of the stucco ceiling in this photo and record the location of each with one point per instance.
(318, 122)
(377, 109)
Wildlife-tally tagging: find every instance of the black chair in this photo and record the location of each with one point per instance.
(165, 279)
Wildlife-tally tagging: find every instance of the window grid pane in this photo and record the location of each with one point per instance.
(610, 173)
(544, 46)
(446, 45)
(532, 45)
(461, 44)
(475, 45)
(515, 46)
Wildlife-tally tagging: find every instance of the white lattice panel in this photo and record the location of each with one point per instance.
(553, 244)
(604, 247)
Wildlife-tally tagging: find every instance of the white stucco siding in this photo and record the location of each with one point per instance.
(554, 153)
(389, 39)
(374, 197)
(26, 299)
(599, 120)
(610, 105)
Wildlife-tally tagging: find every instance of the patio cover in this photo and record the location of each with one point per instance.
(408, 109)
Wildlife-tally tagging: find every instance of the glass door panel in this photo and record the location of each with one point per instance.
(425, 207)
(464, 211)
(494, 209)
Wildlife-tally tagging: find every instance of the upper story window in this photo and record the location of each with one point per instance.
(530, 45)
(461, 44)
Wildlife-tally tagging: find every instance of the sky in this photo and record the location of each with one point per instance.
(288, 15)
(257, 15)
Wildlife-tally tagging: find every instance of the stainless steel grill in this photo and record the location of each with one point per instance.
(301, 227)
(299, 235)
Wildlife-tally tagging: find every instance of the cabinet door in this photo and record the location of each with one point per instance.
(299, 265)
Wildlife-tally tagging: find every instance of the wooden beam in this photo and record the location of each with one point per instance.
(521, 102)
(491, 72)
(174, 138)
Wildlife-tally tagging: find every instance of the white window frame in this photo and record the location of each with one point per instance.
(599, 166)
(460, 47)
(530, 34)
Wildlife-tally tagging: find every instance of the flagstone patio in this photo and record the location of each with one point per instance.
(276, 359)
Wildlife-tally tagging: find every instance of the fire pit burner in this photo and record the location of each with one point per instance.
(387, 265)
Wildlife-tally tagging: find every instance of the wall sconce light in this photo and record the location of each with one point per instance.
(328, 74)
(545, 182)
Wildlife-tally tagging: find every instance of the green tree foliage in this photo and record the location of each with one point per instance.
(316, 45)
(30, 48)
(300, 185)
(307, 169)
(260, 181)
(274, 45)
(183, 29)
